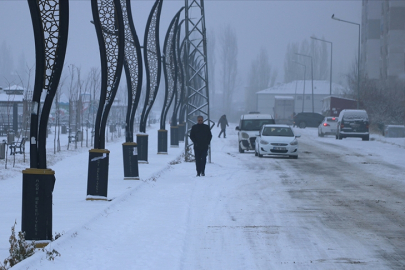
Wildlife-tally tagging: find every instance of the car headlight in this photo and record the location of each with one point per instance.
(263, 142)
(294, 142)
(245, 135)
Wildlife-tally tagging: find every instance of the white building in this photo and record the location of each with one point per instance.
(302, 93)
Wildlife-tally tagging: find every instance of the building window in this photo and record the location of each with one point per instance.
(299, 98)
(308, 97)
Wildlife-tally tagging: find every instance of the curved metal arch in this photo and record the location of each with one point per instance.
(169, 67)
(180, 77)
(108, 21)
(50, 20)
(133, 68)
(152, 58)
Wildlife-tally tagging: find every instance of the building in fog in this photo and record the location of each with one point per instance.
(302, 92)
(383, 39)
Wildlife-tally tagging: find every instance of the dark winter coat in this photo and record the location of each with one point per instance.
(201, 136)
(223, 121)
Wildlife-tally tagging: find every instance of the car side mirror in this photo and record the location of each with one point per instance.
(237, 128)
(297, 136)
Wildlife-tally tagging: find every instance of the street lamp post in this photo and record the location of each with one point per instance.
(312, 78)
(358, 59)
(303, 93)
(330, 75)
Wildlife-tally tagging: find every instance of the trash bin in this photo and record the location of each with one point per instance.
(3, 150)
(10, 137)
(79, 136)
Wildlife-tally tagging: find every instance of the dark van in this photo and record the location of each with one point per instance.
(353, 123)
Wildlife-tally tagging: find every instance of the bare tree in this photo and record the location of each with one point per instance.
(260, 76)
(229, 62)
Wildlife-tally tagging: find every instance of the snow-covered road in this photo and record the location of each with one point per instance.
(340, 205)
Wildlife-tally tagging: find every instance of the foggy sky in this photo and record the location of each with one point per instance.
(269, 24)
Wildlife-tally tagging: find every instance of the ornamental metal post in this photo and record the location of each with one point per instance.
(133, 73)
(108, 22)
(50, 21)
(152, 58)
(170, 73)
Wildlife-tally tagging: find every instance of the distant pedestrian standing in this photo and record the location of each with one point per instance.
(201, 136)
(224, 122)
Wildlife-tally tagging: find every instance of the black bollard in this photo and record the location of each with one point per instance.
(36, 220)
(130, 155)
(142, 141)
(97, 178)
(162, 141)
(174, 136)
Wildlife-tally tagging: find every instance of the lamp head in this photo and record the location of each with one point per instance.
(333, 16)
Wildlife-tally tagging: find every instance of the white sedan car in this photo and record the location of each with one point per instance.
(328, 126)
(276, 140)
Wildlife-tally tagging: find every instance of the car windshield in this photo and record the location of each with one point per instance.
(277, 131)
(255, 124)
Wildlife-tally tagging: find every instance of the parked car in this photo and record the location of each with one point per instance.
(307, 119)
(353, 123)
(249, 125)
(328, 126)
(394, 131)
(277, 140)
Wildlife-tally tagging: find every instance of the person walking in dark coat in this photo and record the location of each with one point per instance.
(201, 136)
(224, 122)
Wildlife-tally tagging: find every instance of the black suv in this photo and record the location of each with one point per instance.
(308, 119)
(353, 123)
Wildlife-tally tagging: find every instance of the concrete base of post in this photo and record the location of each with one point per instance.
(36, 220)
(182, 131)
(130, 156)
(97, 177)
(174, 136)
(162, 141)
(142, 141)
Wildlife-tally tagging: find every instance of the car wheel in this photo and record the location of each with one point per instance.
(320, 134)
(339, 136)
(255, 153)
(241, 150)
(366, 138)
(258, 153)
(303, 125)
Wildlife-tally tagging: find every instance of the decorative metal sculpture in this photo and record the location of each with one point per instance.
(50, 20)
(133, 68)
(108, 21)
(169, 67)
(133, 72)
(180, 77)
(152, 58)
(109, 26)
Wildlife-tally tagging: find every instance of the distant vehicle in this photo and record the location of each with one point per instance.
(277, 140)
(394, 131)
(284, 109)
(249, 125)
(328, 126)
(308, 119)
(332, 106)
(353, 123)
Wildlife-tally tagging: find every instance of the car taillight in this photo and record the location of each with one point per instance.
(333, 118)
(325, 124)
